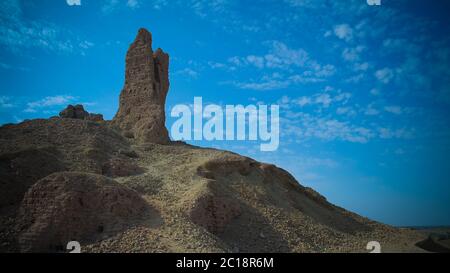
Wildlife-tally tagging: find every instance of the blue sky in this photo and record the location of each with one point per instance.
(364, 91)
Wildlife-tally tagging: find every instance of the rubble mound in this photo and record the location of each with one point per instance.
(34, 149)
(80, 145)
(71, 206)
(276, 187)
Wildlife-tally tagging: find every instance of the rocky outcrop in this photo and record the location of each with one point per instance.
(142, 101)
(69, 206)
(78, 112)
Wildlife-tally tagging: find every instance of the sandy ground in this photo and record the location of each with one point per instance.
(202, 200)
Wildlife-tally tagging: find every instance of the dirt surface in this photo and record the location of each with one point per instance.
(202, 200)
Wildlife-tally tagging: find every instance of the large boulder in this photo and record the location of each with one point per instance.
(142, 101)
(72, 206)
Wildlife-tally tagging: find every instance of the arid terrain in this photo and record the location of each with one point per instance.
(124, 186)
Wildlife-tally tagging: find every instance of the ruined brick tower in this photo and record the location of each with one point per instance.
(142, 100)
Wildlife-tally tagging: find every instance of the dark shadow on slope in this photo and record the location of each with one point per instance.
(438, 243)
(252, 232)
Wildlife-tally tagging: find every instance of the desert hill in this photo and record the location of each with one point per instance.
(124, 186)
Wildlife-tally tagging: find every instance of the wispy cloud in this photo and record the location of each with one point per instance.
(18, 32)
(280, 56)
(397, 110)
(262, 85)
(352, 54)
(188, 72)
(73, 2)
(133, 4)
(5, 102)
(384, 75)
(281, 67)
(110, 6)
(50, 101)
(343, 31)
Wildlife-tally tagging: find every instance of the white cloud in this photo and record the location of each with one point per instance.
(256, 61)
(356, 78)
(343, 32)
(110, 6)
(388, 133)
(235, 61)
(262, 86)
(302, 101)
(323, 99)
(302, 3)
(345, 111)
(304, 79)
(375, 92)
(73, 2)
(187, 72)
(361, 66)
(384, 75)
(215, 65)
(86, 44)
(397, 110)
(159, 4)
(371, 111)
(280, 56)
(5, 102)
(327, 129)
(18, 32)
(133, 4)
(352, 54)
(287, 67)
(49, 101)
